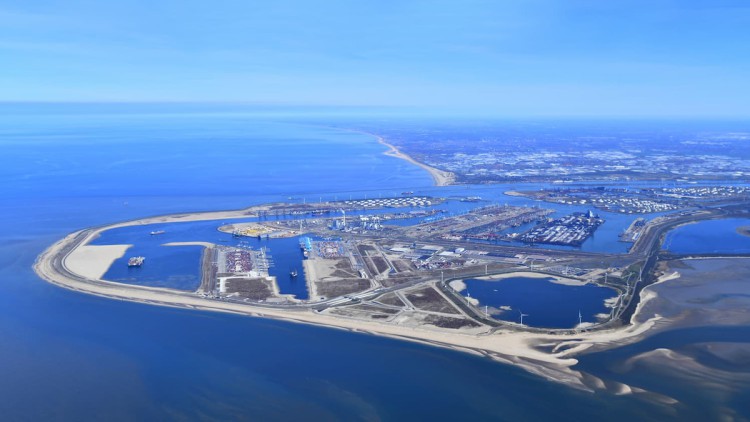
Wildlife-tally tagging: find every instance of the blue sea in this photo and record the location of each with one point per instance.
(70, 356)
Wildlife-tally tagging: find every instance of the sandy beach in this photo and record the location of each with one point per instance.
(72, 264)
(441, 178)
(195, 216)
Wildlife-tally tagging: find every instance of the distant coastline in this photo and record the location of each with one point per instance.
(441, 178)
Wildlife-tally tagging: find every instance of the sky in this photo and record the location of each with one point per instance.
(496, 57)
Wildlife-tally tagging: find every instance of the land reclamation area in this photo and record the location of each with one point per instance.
(411, 281)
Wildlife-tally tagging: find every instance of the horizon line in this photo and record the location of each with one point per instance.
(422, 111)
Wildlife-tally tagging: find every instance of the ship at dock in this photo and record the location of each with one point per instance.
(136, 261)
(305, 244)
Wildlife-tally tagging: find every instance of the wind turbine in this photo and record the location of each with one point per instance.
(627, 283)
(522, 315)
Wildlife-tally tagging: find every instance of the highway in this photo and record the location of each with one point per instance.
(647, 250)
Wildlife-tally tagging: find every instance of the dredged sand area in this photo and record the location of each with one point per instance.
(66, 263)
(93, 261)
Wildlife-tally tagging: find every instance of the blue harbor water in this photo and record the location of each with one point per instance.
(544, 303)
(72, 356)
(178, 267)
(170, 266)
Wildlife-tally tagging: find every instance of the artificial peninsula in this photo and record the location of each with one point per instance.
(396, 267)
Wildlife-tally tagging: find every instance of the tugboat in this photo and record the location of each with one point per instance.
(136, 261)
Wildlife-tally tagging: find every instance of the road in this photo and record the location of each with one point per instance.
(646, 249)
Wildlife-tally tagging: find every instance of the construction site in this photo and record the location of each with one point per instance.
(364, 266)
(405, 267)
(241, 273)
(400, 273)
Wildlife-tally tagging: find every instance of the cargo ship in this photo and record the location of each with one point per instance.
(136, 261)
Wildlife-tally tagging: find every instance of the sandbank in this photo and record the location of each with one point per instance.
(457, 285)
(529, 274)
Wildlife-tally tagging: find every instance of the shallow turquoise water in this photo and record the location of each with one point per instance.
(713, 236)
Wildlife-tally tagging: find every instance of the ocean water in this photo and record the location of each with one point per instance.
(70, 356)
